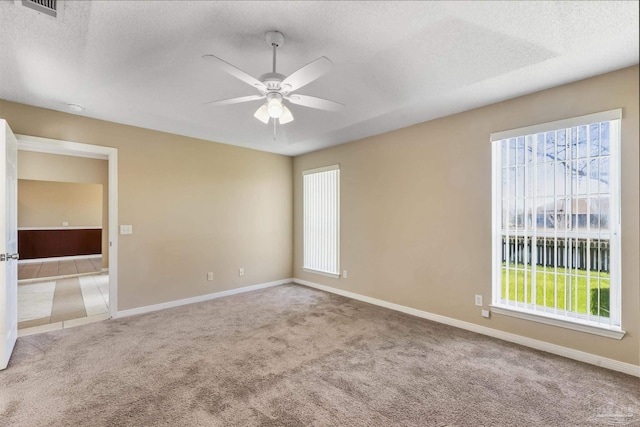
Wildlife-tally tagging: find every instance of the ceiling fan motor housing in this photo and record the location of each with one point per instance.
(272, 80)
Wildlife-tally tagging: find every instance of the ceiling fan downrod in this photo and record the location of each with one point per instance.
(274, 39)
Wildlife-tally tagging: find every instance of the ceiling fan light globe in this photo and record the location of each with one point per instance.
(274, 108)
(286, 116)
(262, 114)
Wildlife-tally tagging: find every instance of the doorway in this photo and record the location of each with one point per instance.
(61, 235)
(92, 291)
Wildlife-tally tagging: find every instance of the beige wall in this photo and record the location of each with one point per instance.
(195, 207)
(416, 210)
(58, 168)
(49, 204)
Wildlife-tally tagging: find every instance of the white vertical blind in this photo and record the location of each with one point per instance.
(321, 220)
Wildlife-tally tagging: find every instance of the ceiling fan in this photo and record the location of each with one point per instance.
(277, 88)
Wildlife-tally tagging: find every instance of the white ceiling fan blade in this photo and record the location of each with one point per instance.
(307, 74)
(286, 115)
(262, 114)
(314, 102)
(234, 100)
(235, 72)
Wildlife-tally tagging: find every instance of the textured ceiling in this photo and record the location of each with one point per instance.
(395, 63)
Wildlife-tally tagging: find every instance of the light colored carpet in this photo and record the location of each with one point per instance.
(294, 356)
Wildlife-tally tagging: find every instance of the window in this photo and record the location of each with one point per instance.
(321, 220)
(556, 217)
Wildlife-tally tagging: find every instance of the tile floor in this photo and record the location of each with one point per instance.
(38, 270)
(62, 302)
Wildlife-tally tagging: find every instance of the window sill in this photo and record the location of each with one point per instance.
(322, 273)
(604, 331)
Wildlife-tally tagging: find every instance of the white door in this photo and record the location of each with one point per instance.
(8, 243)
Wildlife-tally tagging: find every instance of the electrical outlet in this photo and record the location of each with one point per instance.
(479, 300)
(210, 276)
(486, 313)
(241, 271)
(344, 274)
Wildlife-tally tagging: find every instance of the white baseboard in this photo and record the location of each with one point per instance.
(207, 297)
(59, 258)
(570, 353)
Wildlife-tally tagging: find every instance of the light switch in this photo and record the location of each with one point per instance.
(126, 229)
(65, 224)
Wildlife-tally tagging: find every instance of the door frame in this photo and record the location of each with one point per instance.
(76, 149)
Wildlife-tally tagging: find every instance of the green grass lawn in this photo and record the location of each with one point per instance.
(568, 292)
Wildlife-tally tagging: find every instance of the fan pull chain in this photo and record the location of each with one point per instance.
(274, 129)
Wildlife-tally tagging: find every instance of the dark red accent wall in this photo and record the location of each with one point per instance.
(56, 243)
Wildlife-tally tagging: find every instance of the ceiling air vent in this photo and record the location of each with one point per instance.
(45, 6)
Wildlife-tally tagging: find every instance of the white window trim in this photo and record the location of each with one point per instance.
(602, 330)
(603, 116)
(322, 169)
(320, 272)
(612, 331)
